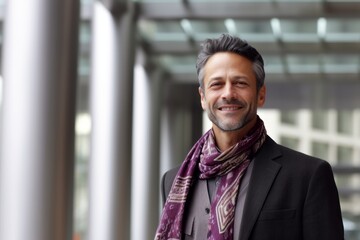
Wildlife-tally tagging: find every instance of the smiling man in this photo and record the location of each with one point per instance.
(230, 96)
(236, 182)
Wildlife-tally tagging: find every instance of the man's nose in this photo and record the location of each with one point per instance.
(229, 91)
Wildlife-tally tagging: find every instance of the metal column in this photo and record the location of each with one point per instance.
(111, 113)
(181, 124)
(146, 153)
(37, 154)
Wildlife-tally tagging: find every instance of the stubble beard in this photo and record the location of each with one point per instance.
(227, 127)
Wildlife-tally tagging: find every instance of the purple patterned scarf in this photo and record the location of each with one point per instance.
(230, 165)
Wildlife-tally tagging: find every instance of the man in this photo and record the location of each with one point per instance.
(236, 182)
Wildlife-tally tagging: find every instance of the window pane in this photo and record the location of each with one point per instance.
(344, 155)
(289, 117)
(320, 150)
(320, 120)
(344, 123)
(290, 142)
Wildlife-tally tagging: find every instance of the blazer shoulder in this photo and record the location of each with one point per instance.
(290, 157)
(287, 152)
(167, 181)
(301, 162)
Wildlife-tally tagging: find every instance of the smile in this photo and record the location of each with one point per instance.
(230, 108)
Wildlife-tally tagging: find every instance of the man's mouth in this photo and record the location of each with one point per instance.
(229, 108)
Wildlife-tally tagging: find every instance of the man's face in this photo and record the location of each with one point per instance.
(229, 96)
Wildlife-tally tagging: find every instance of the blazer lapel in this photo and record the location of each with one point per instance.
(263, 175)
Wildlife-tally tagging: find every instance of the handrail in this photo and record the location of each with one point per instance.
(346, 169)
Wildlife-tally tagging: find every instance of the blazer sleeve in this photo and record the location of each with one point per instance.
(322, 214)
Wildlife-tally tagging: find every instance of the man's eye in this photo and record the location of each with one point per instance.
(241, 83)
(215, 84)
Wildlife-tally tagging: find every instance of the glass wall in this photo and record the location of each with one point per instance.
(331, 135)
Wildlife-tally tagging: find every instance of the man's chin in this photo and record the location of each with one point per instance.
(230, 127)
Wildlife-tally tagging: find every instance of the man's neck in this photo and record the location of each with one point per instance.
(226, 139)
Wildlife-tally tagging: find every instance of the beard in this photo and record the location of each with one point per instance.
(236, 122)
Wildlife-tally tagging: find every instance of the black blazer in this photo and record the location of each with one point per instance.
(290, 196)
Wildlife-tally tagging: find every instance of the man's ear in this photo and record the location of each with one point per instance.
(202, 98)
(261, 96)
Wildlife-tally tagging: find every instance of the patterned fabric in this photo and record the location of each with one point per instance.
(230, 165)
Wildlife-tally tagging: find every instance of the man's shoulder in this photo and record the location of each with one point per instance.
(287, 155)
(297, 158)
(168, 179)
(170, 174)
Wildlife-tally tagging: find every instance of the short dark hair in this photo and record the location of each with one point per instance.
(229, 43)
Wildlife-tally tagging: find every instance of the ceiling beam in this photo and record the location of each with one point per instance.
(246, 10)
(264, 47)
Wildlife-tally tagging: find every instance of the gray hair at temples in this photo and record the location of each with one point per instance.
(228, 43)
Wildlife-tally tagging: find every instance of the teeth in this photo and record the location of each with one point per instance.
(229, 108)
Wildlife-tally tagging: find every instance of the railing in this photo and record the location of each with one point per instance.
(347, 170)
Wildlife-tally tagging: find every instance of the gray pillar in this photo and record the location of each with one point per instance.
(176, 137)
(111, 113)
(181, 124)
(39, 69)
(146, 153)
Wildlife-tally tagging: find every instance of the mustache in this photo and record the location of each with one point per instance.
(235, 102)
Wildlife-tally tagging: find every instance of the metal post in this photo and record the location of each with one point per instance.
(146, 153)
(111, 113)
(37, 155)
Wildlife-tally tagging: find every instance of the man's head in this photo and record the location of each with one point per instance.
(228, 43)
(231, 76)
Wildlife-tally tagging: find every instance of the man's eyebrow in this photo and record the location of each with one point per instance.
(240, 77)
(215, 78)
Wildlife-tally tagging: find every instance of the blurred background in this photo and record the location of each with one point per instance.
(98, 98)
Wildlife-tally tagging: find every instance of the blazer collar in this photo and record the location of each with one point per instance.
(264, 173)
